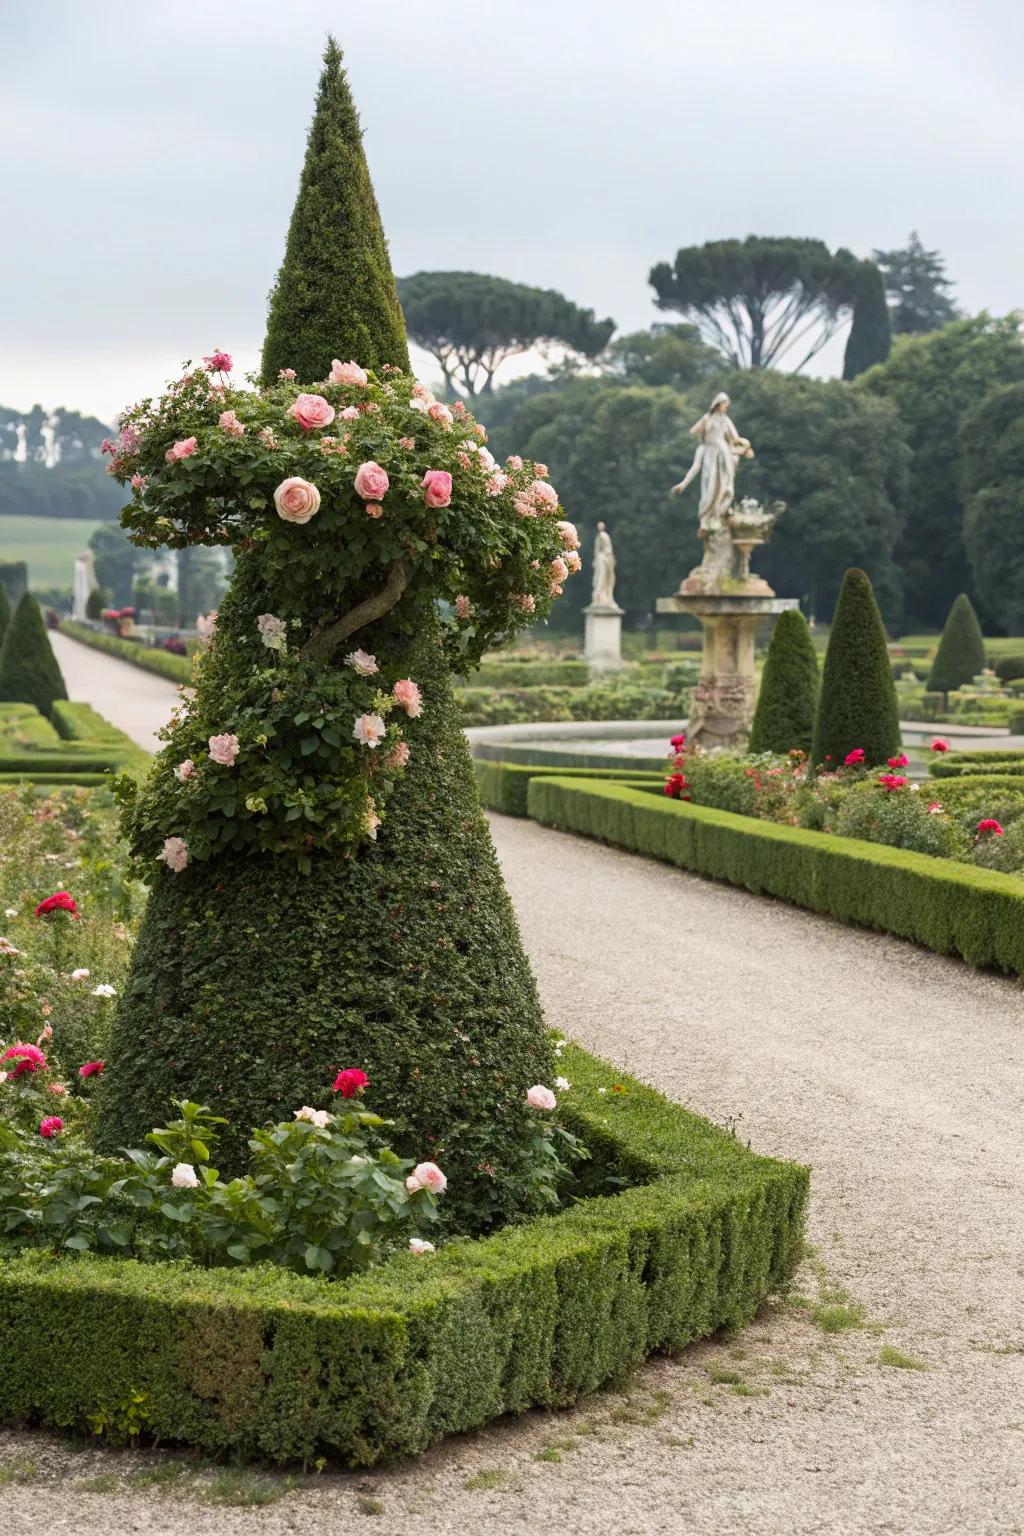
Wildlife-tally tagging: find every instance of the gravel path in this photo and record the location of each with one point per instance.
(900, 1076)
(136, 701)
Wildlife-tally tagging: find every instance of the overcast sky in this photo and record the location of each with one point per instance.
(150, 153)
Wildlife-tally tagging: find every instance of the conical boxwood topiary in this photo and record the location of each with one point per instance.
(788, 699)
(335, 293)
(961, 652)
(858, 698)
(252, 982)
(5, 615)
(29, 673)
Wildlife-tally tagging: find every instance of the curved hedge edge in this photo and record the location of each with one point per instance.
(83, 727)
(961, 767)
(267, 1363)
(950, 908)
(503, 786)
(176, 669)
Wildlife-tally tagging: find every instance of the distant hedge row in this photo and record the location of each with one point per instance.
(949, 907)
(997, 760)
(503, 786)
(263, 1362)
(178, 669)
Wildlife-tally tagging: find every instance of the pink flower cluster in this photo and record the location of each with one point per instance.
(537, 500)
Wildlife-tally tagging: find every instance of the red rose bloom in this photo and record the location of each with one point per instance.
(351, 1082)
(50, 1126)
(938, 745)
(990, 825)
(855, 758)
(60, 901)
(676, 786)
(91, 1068)
(903, 761)
(892, 781)
(678, 742)
(29, 1058)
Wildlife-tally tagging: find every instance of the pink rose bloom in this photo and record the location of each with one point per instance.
(417, 403)
(139, 482)
(183, 450)
(481, 432)
(347, 373)
(82, 974)
(458, 409)
(312, 411)
(371, 482)
(568, 535)
(418, 1246)
(408, 697)
(539, 1097)
(224, 749)
(524, 601)
(266, 437)
(350, 413)
(408, 443)
(496, 484)
(229, 423)
(559, 569)
(513, 461)
(486, 458)
(183, 1176)
(58, 1090)
(362, 662)
(573, 561)
(185, 770)
(544, 495)
(371, 821)
(398, 756)
(421, 392)
(296, 500)
(218, 362)
(541, 469)
(463, 607)
(50, 1126)
(440, 412)
(427, 1176)
(206, 625)
(369, 730)
(437, 488)
(464, 460)
(286, 374)
(374, 509)
(174, 853)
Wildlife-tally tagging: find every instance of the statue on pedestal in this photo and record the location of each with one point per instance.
(720, 448)
(602, 643)
(603, 590)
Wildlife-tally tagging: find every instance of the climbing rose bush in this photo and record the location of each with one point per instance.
(340, 499)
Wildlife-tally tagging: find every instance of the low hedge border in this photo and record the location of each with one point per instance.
(561, 761)
(81, 727)
(263, 1362)
(949, 907)
(966, 764)
(80, 747)
(72, 779)
(178, 669)
(503, 786)
(949, 790)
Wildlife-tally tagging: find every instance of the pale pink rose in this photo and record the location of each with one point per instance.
(463, 607)
(350, 413)
(273, 631)
(440, 412)
(224, 749)
(558, 568)
(541, 469)
(437, 488)
(362, 662)
(408, 443)
(174, 853)
(524, 601)
(418, 1246)
(464, 460)
(371, 482)
(312, 411)
(218, 362)
(286, 374)
(183, 450)
(427, 1176)
(139, 482)
(374, 509)
(458, 408)
(183, 1176)
(229, 423)
(267, 437)
(371, 821)
(369, 730)
(496, 484)
(58, 1089)
(185, 770)
(318, 1117)
(347, 373)
(421, 392)
(468, 445)
(206, 625)
(80, 975)
(296, 500)
(398, 756)
(408, 697)
(544, 495)
(523, 505)
(486, 457)
(568, 535)
(418, 404)
(573, 561)
(539, 1097)
(513, 461)
(481, 432)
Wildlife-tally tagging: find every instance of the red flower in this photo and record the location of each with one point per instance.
(351, 1082)
(675, 785)
(678, 742)
(50, 1126)
(91, 1068)
(990, 825)
(29, 1058)
(855, 758)
(60, 901)
(892, 781)
(938, 745)
(903, 761)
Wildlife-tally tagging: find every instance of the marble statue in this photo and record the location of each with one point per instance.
(603, 591)
(719, 449)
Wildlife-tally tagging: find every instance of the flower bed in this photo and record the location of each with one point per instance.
(263, 1362)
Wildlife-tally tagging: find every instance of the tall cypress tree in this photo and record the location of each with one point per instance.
(335, 293)
(251, 981)
(5, 614)
(858, 696)
(788, 699)
(29, 673)
(870, 337)
(961, 652)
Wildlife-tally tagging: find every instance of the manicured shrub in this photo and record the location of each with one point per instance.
(858, 699)
(5, 614)
(954, 765)
(95, 603)
(961, 652)
(14, 580)
(900, 819)
(335, 292)
(788, 697)
(531, 674)
(29, 672)
(504, 786)
(1010, 668)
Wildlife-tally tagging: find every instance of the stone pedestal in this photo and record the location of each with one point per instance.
(602, 637)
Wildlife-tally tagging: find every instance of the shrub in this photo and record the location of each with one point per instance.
(28, 668)
(858, 699)
(900, 819)
(961, 652)
(14, 580)
(95, 603)
(788, 698)
(1010, 668)
(5, 614)
(503, 786)
(531, 674)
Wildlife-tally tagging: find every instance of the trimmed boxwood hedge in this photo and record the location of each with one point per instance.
(79, 747)
(263, 1362)
(959, 763)
(503, 786)
(530, 674)
(949, 907)
(177, 669)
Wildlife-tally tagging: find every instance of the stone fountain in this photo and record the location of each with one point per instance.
(728, 598)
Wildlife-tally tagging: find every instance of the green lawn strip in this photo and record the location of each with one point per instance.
(266, 1363)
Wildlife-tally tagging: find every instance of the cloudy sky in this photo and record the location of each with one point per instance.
(149, 154)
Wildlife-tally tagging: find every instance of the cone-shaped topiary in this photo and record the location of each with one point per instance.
(870, 338)
(335, 293)
(788, 699)
(961, 652)
(29, 673)
(858, 698)
(5, 615)
(331, 897)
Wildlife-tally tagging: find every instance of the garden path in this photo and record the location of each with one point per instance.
(899, 1075)
(136, 701)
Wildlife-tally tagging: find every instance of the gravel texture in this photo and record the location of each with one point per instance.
(900, 1077)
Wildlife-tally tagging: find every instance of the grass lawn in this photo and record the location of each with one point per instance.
(49, 544)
